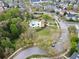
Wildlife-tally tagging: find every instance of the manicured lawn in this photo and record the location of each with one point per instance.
(49, 32)
(44, 32)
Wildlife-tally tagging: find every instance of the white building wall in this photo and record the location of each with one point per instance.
(39, 1)
(35, 24)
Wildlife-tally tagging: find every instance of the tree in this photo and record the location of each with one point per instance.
(23, 42)
(24, 25)
(29, 34)
(14, 29)
(6, 47)
(14, 12)
(6, 42)
(3, 33)
(1, 53)
(70, 7)
(11, 13)
(27, 16)
(15, 20)
(27, 38)
(44, 43)
(51, 51)
(7, 15)
(46, 17)
(2, 17)
(73, 39)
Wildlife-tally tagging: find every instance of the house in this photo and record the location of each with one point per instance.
(3, 6)
(75, 56)
(37, 23)
(38, 1)
(62, 13)
(49, 8)
(75, 7)
(77, 1)
(57, 9)
(37, 6)
(71, 16)
(16, 3)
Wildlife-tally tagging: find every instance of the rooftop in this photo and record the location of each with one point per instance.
(75, 56)
(38, 1)
(36, 23)
(70, 15)
(4, 4)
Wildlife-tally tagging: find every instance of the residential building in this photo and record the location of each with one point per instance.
(37, 23)
(75, 7)
(38, 1)
(49, 8)
(16, 3)
(3, 6)
(70, 16)
(13, 3)
(75, 56)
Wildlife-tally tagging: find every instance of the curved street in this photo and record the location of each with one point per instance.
(29, 52)
(58, 46)
(64, 35)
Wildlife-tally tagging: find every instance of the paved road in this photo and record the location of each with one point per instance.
(64, 36)
(28, 52)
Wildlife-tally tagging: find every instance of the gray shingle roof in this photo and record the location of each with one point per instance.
(75, 56)
(5, 4)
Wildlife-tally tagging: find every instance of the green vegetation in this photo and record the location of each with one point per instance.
(44, 32)
(70, 7)
(9, 14)
(73, 39)
(12, 24)
(71, 20)
(15, 32)
(37, 56)
(46, 17)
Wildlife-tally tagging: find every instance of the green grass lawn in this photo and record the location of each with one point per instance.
(48, 32)
(44, 32)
